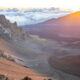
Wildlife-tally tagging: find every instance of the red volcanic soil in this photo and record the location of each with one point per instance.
(16, 72)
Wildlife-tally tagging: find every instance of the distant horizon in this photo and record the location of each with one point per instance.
(39, 8)
(32, 16)
(28, 4)
(35, 8)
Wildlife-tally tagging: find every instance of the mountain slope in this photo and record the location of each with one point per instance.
(16, 72)
(63, 28)
(14, 49)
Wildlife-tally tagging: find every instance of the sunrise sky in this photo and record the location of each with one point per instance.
(64, 4)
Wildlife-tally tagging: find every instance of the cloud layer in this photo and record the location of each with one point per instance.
(32, 16)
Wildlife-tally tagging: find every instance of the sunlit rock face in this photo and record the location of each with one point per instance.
(4, 30)
(10, 30)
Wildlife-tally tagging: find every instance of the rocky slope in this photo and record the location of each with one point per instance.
(16, 72)
(10, 30)
(13, 47)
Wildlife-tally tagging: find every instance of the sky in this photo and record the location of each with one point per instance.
(63, 4)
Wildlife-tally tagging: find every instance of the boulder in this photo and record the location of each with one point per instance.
(3, 77)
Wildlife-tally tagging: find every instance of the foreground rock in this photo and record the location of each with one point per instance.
(2, 77)
(26, 78)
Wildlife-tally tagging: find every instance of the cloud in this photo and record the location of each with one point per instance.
(32, 16)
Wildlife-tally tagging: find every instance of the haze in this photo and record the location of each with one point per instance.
(63, 4)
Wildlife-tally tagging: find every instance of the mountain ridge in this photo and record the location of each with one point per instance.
(63, 27)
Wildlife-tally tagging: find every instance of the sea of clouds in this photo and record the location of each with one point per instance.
(32, 16)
